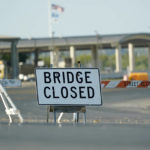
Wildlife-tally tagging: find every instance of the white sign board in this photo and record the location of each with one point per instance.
(68, 86)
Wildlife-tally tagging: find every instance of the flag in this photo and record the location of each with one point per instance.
(56, 11)
(57, 8)
(55, 16)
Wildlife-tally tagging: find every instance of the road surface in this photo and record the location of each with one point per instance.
(122, 123)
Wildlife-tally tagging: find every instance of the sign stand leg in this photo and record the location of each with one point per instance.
(10, 107)
(76, 117)
(84, 115)
(10, 119)
(54, 116)
(60, 116)
(48, 109)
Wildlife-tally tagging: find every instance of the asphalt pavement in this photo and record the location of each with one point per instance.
(77, 137)
(123, 106)
(121, 123)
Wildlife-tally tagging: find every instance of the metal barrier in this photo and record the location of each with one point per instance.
(10, 108)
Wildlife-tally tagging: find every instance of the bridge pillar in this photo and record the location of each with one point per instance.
(54, 56)
(72, 56)
(149, 57)
(95, 58)
(14, 59)
(131, 57)
(118, 58)
(36, 57)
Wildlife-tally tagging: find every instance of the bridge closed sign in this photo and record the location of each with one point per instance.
(68, 86)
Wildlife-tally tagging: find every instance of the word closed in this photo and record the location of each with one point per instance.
(68, 86)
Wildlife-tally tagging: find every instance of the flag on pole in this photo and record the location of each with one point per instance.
(57, 8)
(54, 12)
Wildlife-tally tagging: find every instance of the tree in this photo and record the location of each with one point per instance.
(84, 59)
(23, 57)
(6, 58)
(141, 63)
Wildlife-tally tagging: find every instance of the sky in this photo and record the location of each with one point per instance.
(29, 18)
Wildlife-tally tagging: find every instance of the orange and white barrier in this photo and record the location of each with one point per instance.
(125, 84)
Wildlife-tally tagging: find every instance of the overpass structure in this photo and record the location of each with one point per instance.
(93, 43)
(11, 44)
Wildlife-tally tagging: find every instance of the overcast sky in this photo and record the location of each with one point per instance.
(29, 18)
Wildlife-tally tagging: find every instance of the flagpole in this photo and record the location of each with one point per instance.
(50, 32)
(49, 19)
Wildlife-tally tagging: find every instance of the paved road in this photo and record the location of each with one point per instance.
(122, 123)
(68, 137)
(124, 106)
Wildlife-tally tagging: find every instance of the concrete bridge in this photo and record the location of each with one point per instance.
(93, 43)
